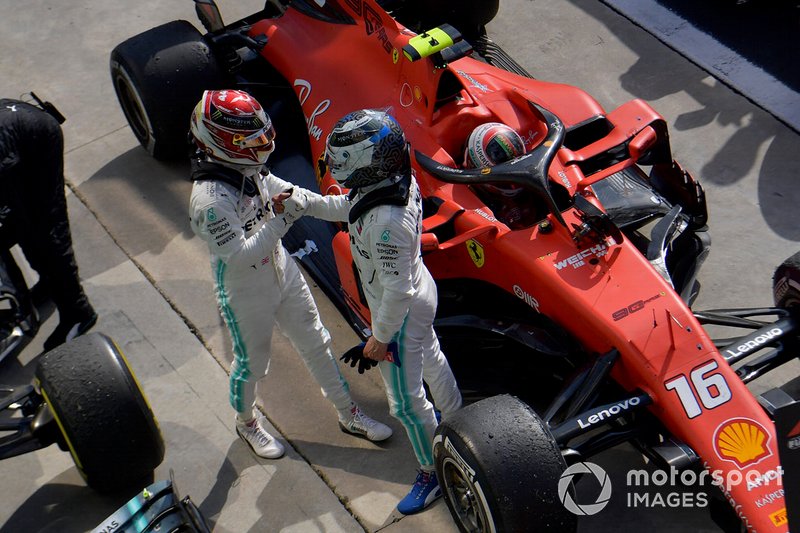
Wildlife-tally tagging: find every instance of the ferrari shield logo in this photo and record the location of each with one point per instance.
(475, 251)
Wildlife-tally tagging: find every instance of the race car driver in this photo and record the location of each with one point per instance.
(488, 145)
(367, 153)
(257, 285)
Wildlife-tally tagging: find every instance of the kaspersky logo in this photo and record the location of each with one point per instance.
(742, 441)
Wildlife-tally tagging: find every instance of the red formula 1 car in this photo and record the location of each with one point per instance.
(577, 288)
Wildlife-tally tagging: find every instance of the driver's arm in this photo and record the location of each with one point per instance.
(334, 208)
(214, 218)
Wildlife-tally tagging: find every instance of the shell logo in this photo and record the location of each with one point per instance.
(742, 441)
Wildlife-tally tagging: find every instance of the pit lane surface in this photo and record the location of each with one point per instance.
(149, 277)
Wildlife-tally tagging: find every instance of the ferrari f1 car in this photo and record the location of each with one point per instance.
(577, 287)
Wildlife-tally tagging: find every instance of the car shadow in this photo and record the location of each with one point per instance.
(755, 131)
(61, 505)
(153, 200)
(231, 480)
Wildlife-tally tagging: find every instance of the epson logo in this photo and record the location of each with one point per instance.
(756, 342)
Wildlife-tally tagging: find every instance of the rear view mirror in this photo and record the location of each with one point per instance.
(642, 142)
(209, 15)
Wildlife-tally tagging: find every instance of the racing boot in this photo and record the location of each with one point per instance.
(258, 438)
(71, 325)
(425, 491)
(359, 424)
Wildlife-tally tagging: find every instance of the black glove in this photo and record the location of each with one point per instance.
(355, 356)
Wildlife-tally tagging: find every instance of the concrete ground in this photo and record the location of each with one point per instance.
(149, 278)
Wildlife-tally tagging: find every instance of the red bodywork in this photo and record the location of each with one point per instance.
(607, 295)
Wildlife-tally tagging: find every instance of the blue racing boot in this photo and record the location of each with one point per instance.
(424, 492)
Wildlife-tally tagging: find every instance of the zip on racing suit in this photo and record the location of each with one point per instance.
(401, 294)
(251, 268)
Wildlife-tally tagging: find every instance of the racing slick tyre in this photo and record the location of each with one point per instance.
(786, 283)
(102, 414)
(159, 76)
(499, 469)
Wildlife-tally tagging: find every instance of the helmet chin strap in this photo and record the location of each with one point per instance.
(249, 172)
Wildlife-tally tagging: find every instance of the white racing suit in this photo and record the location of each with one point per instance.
(258, 286)
(401, 294)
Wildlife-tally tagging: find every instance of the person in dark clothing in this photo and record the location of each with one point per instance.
(18, 319)
(33, 213)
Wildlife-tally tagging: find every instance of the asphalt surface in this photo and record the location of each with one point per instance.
(149, 278)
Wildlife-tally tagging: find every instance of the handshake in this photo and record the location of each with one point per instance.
(291, 203)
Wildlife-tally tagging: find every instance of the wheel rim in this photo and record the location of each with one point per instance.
(465, 498)
(132, 108)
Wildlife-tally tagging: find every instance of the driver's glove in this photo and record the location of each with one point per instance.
(355, 356)
(295, 206)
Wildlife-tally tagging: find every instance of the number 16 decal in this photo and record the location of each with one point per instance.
(710, 388)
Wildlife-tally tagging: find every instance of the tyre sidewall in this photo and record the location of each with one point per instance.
(786, 283)
(512, 460)
(109, 428)
(166, 69)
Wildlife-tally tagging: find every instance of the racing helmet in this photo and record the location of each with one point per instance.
(366, 147)
(492, 143)
(232, 127)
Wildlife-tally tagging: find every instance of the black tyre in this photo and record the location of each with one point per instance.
(104, 418)
(159, 76)
(786, 283)
(499, 469)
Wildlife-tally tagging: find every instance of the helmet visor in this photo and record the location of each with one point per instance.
(261, 139)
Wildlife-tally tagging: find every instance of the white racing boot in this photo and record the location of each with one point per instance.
(258, 438)
(359, 424)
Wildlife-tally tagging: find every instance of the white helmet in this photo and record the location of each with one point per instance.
(232, 127)
(366, 147)
(492, 143)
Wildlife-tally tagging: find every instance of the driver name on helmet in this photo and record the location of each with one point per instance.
(365, 148)
(231, 127)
